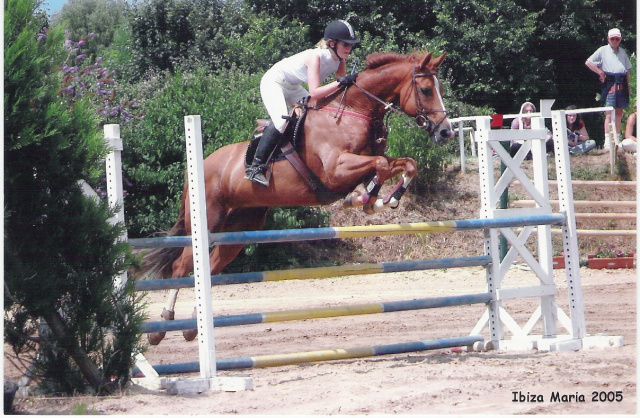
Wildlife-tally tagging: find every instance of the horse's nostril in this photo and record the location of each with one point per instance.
(445, 133)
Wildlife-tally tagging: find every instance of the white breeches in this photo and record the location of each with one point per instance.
(279, 96)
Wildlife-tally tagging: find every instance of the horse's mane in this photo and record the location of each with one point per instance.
(384, 58)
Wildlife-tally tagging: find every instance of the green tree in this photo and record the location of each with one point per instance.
(489, 44)
(98, 17)
(262, 41)
(187, 34)
(60, 249)
(404, 21)
(119, 57)
(165, 32)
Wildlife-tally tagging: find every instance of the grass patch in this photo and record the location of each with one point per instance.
(83, 409)
(590, 173)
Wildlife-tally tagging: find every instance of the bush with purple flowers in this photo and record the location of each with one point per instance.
(86, 77)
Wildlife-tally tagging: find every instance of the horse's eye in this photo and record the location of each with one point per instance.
(427, 91)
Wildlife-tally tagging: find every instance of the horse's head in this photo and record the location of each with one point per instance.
(421, 97)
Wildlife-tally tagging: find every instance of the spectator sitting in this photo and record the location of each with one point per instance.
(630, 134)
(579, 142)
(522, 122)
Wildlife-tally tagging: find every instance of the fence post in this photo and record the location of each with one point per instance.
(569, 229)
(463, 164)
(548, 307)
(202, 273)
(115, 194)
(488, 199)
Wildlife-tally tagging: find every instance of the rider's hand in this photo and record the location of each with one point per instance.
(347, 80)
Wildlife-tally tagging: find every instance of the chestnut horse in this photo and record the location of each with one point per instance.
(337, 146)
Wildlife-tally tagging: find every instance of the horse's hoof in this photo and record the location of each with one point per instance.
(368, 209)
(154, 338)
(190, 334)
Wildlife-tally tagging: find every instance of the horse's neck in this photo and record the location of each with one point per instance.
(384, 83)
(380, 82)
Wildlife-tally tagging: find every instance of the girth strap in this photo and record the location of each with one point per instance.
(294, 159)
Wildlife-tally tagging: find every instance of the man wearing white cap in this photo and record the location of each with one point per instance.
(612, 65)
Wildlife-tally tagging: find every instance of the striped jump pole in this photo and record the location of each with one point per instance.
(311, 234)
(316, 313)
(315, 273)
(275, 360)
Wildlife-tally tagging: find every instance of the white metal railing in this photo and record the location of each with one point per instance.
(611, 140)
(464, 119)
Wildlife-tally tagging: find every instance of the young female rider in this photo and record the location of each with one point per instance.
(281, 86)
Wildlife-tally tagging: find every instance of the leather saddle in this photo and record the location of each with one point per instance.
(287, 149)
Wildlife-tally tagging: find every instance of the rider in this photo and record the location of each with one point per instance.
(281, 86)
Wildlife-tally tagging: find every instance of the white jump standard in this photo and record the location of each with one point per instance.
(491, 189)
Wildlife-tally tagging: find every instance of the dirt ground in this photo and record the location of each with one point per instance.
(436, 382)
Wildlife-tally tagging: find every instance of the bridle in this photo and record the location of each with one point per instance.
(422, 112)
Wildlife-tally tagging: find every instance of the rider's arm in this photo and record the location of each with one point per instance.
(316, 90)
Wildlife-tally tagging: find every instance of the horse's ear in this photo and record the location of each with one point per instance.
(425, 61)
(436, 62)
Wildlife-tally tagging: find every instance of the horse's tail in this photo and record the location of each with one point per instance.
(158, 263)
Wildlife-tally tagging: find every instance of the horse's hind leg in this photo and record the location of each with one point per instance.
(182, 266)
(245, 219)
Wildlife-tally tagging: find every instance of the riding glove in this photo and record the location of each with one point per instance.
(347, 80)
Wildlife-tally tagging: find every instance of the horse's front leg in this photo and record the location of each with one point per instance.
(367, 196)
(409, 168)
(351, 168)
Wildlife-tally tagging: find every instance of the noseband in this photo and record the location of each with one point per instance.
(421, 118)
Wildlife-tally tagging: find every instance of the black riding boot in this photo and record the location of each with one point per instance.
(256, 171)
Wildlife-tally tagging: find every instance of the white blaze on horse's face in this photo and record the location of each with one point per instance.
(443, 131)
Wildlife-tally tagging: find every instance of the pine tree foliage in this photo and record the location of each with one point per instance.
(60, 249)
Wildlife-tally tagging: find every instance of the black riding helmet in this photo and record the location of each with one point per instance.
(340, 30)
